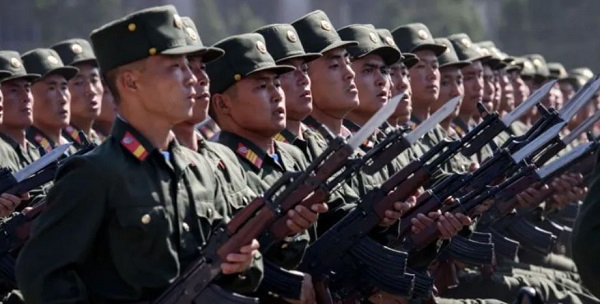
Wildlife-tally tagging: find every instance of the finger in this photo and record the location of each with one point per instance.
(239, 258)
(464, 220)
(456, 224)
(444, 233)
(386, 222)
(253, 246)
(435, 214)
(393, 215)
(319, 208)
(306, 214)
(293, 226)
(298, 219)
(25, 196)
(231, 268)
(402, 207)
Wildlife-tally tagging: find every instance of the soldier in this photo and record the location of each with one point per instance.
(16, 151)
(86, 91)
(148, 204)
(51, 98)
(285, 47)
(104, 122)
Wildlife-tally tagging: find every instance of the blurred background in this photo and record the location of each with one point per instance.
(564, 31)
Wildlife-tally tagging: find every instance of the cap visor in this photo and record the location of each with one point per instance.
(27, 77)
(66, 71)
(457, 64)
(278, 69)
(183, 50)
(209, 54)
(91, 61)
(410, 62)
(308, 57)
(438, 49)
(389, 54)
(339, 44)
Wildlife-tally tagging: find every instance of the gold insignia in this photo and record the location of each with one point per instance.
(374, 37)
(325, 25)
(76, 48)
(261, 47)
(237, 77)
(291, 36)
(186, 227)
(422, 34)
(390, 40)
(146, 219)
(483, 51)
(52, 60)
(466, 42)
(131, 27)
(15, 63)
(447, 48)
(527, 65)
(191, 33)
(177, 21)
(537, 62)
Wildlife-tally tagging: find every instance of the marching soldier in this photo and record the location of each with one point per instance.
(137, 209)
(86, 91)
(51, 98)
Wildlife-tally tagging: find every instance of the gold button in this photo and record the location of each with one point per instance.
(186, 227)
(209, 212)
(152, 51)
(284, 246)
(237, 77)
(146, 219)
(131, 27)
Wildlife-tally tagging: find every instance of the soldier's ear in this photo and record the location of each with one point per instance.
(220, 102)
(127, 80)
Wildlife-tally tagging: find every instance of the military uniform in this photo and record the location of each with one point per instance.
(135, 217)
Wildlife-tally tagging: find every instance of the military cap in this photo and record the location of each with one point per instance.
(409, 59)
(74, 51)
(368, 43)
(47, 62)
(539, 64)
(317, 34)
(4, 74)
(449, 57)
(10, 61)
(466, 49)
(496, 60)
(414, 37)
(584, 72)
(192, 37)
(557, 70)
(283, 43)
(244, 55)
(152, 31)
(528, 70)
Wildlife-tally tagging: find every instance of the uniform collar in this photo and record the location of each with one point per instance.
(285, 136)
(73, 134)
(245, 149)
(311, 122)
(461, 125)
(38, 137)
(133, 141)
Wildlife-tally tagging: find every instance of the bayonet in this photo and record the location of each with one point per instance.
(581, 98)
(581, 128)
(537, 143)
(41, 163)
(433, 120)
(527, 104)
(374, 122)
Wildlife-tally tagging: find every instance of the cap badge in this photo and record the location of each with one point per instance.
(191, 33)
(15, 63)
(52, 60)
(291, 36)
(423, 34)
(374, 37)
(325, 25)
(466, 42)
(76, 48)
(389, 40)
(177, 21)
(261, 47)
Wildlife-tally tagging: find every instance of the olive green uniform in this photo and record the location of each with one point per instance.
(134, 218)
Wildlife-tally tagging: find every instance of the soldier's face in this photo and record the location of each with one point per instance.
(297, 88)
(451, 85)
(18, 103)
(507, 100)
(489, 88)
(567, 90)
(257, 105)
(108, 110)
(473, 84)
(202, 96)
(52, 100)
(520, 89)
(373, 83)
(86, 93)
(333, 88)
(165, 87)
(425, 79)
(401, 84)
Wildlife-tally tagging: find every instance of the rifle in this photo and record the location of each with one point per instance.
(258, 217)
(502, 197)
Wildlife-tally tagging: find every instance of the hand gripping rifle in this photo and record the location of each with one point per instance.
(260, 215)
